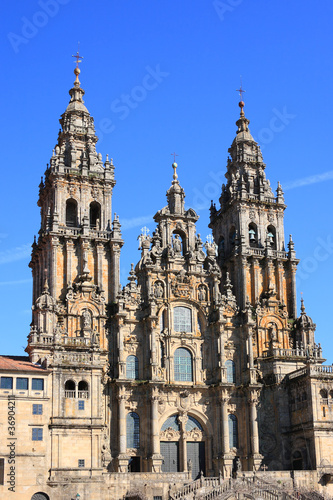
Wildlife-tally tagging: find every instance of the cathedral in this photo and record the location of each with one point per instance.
(197, 379)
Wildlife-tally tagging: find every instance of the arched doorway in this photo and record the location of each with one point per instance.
(182, 444)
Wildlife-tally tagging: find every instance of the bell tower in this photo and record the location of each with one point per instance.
(75, 269)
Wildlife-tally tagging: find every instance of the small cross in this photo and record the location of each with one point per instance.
(264, 468)
(240, 90)
(144, 231)
(210, 239)
(77, 56)
(174, 156)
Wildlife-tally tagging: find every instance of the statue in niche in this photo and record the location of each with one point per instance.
(158, 290)
(156, 250)
(272, 332)
(202, 293)
(85, 263)
(177, 244)
(86, 319)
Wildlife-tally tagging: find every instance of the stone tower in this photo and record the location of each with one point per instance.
(75, 268)
(249, 232)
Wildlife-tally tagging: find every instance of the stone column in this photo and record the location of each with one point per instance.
(123, 458)
(99, 250)
(227, 458)
(244, 282)
(115, 280)
(256, 457)
(279, 266)
(255, 266)
(69, 260)
(183, 419)
(156, 458)
(225, 426)
(253, 377)
(54, 267)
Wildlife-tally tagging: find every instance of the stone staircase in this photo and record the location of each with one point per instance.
(210, 488)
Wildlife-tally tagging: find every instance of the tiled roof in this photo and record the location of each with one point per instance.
(19, 363)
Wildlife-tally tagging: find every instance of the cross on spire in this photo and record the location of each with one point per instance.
(174, 156)
(241, 90)
(144, 231)
(77, 56)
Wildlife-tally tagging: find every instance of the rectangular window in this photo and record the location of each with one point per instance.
(37, 384)
(22, 384)
(2, 471)
(81, 405)
(37, 434)
(6, 383)
(37, 409)
(157, 497)
(81, 463)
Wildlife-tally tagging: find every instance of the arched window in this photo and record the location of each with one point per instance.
(83, 391)
(271, 237)
(232, 236)
(70, 389)
(253, 236)
(162, 354)
(182, 319)
(171, 423)
(192, 423)
(231, 371)
(95, 215)
(331, 394)
(233, 431)
(133, 430)
(221, 247)
(71, 213)
(162, 321)
(324, 396)
(183, 365)
(132, 367)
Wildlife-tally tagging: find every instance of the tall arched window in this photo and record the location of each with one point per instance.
(95, 215)
(182, 319)
(183, 365)
(253, 236)
(231, 371)
(233, 431)
(271, 237)
(133, 430)
(70, 389)
(132, 367)
(83, 391)
(71, 213)
(232, 236)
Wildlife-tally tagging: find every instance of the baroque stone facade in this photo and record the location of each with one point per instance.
(196, 372)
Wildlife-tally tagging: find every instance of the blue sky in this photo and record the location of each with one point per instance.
(160, 76)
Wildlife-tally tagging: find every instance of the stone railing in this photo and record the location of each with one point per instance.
(188, 490)
(76, 341)
(300, 352)
(318, 369)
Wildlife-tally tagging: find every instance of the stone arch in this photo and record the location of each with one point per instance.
(183, 239)
(71, 216)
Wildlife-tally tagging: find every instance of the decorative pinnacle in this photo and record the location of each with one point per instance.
(77, 70)
(174, 166)
(302, 304)
(241, 103)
